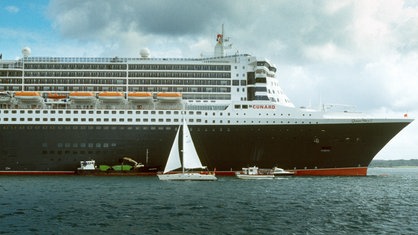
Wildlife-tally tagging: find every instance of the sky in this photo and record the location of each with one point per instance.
(356, 52)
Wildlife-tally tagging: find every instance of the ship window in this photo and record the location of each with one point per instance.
(30, 119)
(168, 120)
(121, 119)
(106, 112)
(68, 112)
(113, 119)
(106, 119)
(152, 119)
(37, 111)
(145, 119)
(98, 119)
(91, 112)
(138, 119)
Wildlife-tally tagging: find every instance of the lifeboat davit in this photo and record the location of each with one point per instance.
(169, 96)
(140, 96)
(28, 96)
(111, 96)
(4, 97)
(79, 96)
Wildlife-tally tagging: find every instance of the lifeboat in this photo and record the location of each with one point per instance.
(140, 96)
(169, 96)
(28, 96)
(111, 96)
(56, 96)
(79, 96)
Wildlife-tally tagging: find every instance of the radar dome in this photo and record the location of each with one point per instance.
(145, 53)
(26, 51)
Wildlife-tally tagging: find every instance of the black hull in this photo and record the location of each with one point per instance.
(226, 148)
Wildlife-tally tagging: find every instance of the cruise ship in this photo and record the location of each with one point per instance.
(58, 111)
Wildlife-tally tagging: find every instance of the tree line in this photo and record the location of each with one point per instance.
(394, 163)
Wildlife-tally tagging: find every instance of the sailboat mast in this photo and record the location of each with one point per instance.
(182, 147)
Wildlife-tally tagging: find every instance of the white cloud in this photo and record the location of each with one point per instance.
(12, 9)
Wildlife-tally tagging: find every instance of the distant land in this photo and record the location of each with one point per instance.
(394, 163)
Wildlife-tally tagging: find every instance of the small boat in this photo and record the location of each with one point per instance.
(90, 168)
(28, 96)
(140, 96)
(111, 97)
(169, 96)
(80, 96)
(56, 96)
(190, 160)
(87, 165)
(280, 172)
(253, 173)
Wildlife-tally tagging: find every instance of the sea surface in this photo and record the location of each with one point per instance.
(384, 202)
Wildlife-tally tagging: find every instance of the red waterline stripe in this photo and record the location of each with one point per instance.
(349, 171)
(37, 172)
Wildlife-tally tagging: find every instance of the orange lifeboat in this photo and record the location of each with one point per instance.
(140, 96)
(111, 96)
(169, 96)
(56, 96)
(28, 96)
(27, 93)
(80, 96)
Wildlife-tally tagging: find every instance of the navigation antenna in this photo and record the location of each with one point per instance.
(220, 47)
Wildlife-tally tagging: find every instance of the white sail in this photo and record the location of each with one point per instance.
(190, 158)
(173, 161)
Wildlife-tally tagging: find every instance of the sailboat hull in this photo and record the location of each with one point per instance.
(187, 177)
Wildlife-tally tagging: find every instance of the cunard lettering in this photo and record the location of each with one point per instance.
(264, 106)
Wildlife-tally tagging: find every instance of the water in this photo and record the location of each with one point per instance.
(385, 202)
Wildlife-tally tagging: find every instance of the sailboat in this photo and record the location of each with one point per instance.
(190, 160)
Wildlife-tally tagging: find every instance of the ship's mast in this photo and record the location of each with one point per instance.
(219, 47)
